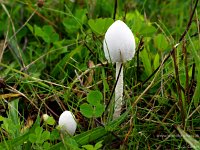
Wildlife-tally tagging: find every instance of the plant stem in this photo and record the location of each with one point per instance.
(118, 90)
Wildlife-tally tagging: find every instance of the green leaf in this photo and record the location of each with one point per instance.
(50, 121)
(40, 33)
(53, 36)
(147, 29)
(54, 135)
(156, 61)
(94, 97)
(32, 138)
(189, 139)
(45, 136)
(1, 118)
(100, 25)
(88, 147)
(74, 23)
(146, 61)
(46, 145)
(98, 110)
(160, 42)
(98, 145)
(71, 144)
(86, 110)
(38, 131)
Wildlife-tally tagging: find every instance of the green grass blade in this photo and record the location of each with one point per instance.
(189, 139)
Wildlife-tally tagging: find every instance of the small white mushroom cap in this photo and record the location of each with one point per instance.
(119, 43)
(67, 122)
(45, 117)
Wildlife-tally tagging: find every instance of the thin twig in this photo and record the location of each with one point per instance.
(115, 10)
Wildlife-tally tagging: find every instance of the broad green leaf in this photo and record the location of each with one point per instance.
(54, 135)
(98, 110)
(40, 33)
(100, 25)
(146, 61)
(45, 136)
(160, 42)
(1, 118)
(50, 121)
(94, 97)
(74, 23)
(46, 145)
(147, 29)
(86, 110)
(53, 36)
(189, 139)
(70, 143)
(156, 61)
(139, 25)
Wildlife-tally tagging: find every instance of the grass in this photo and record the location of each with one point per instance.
(51, 60)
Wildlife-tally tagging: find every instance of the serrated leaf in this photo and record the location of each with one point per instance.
(94, 97)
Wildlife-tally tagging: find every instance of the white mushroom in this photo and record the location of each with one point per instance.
(119, 47)
(67, 122)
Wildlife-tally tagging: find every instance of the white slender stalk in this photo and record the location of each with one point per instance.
(118, 91)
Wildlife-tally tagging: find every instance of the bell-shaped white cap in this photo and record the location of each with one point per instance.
(67, 122)
(119, 43)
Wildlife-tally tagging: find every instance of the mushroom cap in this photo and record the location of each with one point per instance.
(119, 43)
(67, 122)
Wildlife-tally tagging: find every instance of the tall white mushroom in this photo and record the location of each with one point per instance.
(67, 122)
(119, 47)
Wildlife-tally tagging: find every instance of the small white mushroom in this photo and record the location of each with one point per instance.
(119, 47)
(67, 122)
(45, 117)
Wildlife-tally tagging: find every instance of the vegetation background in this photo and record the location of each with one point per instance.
(51, 60)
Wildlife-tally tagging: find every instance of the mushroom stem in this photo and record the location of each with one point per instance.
(118, 90)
